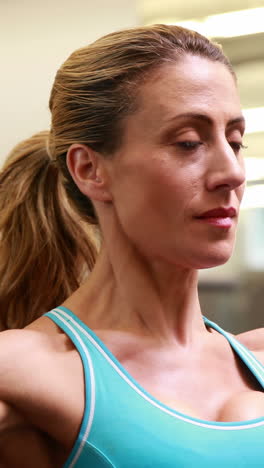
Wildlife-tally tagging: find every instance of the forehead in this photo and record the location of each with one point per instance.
(193, 84)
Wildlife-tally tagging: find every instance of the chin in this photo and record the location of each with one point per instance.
(212, 261)
(213, 254)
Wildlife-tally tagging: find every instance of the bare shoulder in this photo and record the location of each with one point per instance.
(21, 352)
(17, 347)
(254, 341)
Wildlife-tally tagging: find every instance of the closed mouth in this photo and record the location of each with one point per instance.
(219, 213)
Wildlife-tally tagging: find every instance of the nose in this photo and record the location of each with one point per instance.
(226, 169)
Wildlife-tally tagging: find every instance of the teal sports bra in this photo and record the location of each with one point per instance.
(123, 426)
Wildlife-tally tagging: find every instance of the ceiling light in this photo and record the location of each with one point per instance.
(235, 23)
(254, 119)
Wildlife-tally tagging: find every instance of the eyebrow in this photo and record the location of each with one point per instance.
(207, 119)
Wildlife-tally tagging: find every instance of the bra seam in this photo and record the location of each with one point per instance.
(98, 452)
(89, 378)
(248, 358)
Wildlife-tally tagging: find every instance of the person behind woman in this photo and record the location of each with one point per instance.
(146, 139)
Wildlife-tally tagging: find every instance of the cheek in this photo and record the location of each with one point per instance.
(163, 190)
(142, 200)
(155, 190)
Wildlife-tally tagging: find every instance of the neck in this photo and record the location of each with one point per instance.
(141, 297)
(127, 291)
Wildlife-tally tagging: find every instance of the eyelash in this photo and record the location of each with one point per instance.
(192, 145)
(189, 145)
(237, 146)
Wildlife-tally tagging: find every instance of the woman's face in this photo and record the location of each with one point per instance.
(180, 159)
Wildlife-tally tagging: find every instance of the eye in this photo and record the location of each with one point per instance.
(236, 146)
(189, 145)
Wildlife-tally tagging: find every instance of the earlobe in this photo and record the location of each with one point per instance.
(88, 172)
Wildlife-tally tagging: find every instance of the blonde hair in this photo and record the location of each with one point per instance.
(44, 246)
(94, 90)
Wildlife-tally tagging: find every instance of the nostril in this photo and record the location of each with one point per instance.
(226, 178)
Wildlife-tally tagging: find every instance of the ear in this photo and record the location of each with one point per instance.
(88, 171)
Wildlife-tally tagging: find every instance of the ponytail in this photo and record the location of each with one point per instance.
(45, 247)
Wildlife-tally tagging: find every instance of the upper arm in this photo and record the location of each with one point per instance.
(32, 381)
(21, 444)
(14, 350)
(21, 352)
(26, 402)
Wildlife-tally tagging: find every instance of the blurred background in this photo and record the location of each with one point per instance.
(37, 36)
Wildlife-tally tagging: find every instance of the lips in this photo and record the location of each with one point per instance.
(219, 213)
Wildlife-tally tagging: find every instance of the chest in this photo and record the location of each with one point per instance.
(199, 388)
(127, 422)
(208, 389)
(211, 390)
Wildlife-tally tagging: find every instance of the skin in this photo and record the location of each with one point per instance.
(152, 173)
(148, 197)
